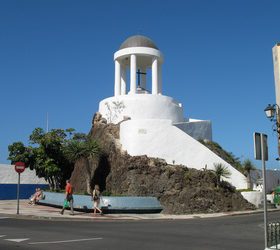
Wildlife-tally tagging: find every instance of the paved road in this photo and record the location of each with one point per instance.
(234, 232)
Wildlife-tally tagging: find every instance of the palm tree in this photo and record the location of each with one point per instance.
(76, 150)
(220, 170)
(248, 166)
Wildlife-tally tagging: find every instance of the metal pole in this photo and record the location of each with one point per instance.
(18, 193)
(264, 193)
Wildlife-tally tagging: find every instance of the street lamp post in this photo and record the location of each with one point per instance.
(273, 113)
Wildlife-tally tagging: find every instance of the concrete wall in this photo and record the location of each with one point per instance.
(141, 106)
(198, 129)
(159, 138)
(139, 203)
(9, 191)
(147, 106)
(254, 197)
(28, 183)
(272, 179)
(8, 175)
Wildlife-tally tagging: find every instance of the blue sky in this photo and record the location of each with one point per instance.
(56, 57)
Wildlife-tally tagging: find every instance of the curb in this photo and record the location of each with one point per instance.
(43, 213)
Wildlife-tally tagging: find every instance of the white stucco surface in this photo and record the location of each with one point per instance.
(254, 197)
(141, 106)
(148, 52)
(272, 179)
(153, 124)
(159, 138)
(197, 129)
(8, 175)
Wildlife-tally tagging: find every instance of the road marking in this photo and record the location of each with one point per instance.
(63, 241)
(4, 218)
(2, 236)
(17, 240)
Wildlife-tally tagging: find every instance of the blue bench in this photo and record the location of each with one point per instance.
(108, 204)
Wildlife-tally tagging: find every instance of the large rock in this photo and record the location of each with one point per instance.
(179, 189)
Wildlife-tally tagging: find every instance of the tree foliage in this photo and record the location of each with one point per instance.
(49, 153)
(19, 152)
(229, 157)
(220, 171)
(82, 148)
(248, 167)
(77, 149)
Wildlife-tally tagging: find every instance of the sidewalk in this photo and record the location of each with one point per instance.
(26, 211)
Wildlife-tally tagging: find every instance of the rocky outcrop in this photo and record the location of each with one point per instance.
(180, 189)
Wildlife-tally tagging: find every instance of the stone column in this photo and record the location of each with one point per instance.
(123, 80)
(133, 68)
(117, 78)
(155, 76)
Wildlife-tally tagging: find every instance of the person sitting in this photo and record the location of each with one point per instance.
(38, 195)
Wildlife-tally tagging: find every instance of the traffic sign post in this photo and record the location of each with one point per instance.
(19, 167)
(261, 153)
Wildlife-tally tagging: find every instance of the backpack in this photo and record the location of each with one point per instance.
(95, 196)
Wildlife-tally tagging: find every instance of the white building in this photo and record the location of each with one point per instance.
(153, 124)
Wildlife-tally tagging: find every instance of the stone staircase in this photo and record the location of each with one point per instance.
(269, 205)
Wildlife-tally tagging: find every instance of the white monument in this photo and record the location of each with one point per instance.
(151, 123)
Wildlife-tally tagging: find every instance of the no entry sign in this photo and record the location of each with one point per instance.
(19, 167)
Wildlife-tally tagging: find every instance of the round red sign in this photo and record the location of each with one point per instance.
(19, 167)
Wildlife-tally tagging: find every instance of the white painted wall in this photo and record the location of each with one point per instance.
(141, 106)
(146, 106)
(120, 54)
(254, 197)
(8, 175)
(197, 129)
(272, 179)
(159, 138)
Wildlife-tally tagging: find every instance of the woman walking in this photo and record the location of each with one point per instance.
(96, 200)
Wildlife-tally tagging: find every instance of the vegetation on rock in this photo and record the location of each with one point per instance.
(48, 153)
(244, 167)
(79, 150)
(179, 189)
(220, 171)
(59, 154)
(248, 168)
(226, 156)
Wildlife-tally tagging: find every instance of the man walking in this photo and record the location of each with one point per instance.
(68, 197)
